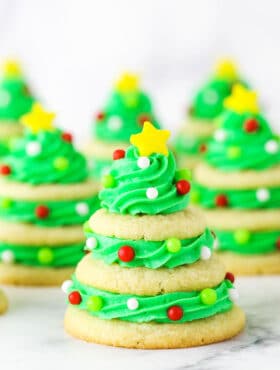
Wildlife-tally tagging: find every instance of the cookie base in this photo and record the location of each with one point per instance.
(34, 276)
(262, 264)
(3, 303)
(118, 333)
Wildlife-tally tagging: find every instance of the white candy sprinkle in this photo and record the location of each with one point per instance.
(216, 244)
(220, 135)
(82, 209)
(91, 243)
(262, 195)
(106, 170)
(132, 304)
(114, 123)
(33, 148)
(210, 96)
(143, 162)
(8, 257)
(205, 253)
(271, 146)
(152, 193)
(4, 98)
(66, 286)
(233, 295)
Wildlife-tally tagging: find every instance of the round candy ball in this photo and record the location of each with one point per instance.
(208, 296)
(242, 236)
(42, 211)
(126, 253)
(132, 304)
(108, 181)
(75, 297)
(94, 303)
(45, 256)
(175, 313)
(173, 245)
(183, 187)
(118, 154)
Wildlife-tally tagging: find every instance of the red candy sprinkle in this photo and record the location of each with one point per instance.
(278, 243)
(100, 116)
(5, 170)
(175, 313)
(126, 253)
(42, 211)
(229, 276)
(118, 154)
(221, 200)
(203, 148)
(66, 136)
(75, 297)
(183, 187)
(143, 118)
(251, 125)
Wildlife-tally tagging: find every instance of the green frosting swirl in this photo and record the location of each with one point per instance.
(67, 255)
(242, 199)
(15, 99)
(114, 306)
(150, 254)
(132, 182)
(99, 167)
(208, 102)
(233, 148)
(57, 161)
(61, 213)
(245, 242)
(122, 116)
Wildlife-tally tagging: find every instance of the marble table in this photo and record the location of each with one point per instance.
(32, 337)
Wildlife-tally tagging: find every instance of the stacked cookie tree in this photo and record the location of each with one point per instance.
(191, 142)
(45, 197)
(123, 115)
(238, 187)
(15, 100)
(3, 303)
(150, 280)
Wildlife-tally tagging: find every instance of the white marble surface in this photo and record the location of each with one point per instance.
(32, 337)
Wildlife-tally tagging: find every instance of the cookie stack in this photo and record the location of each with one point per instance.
(149, 279)
(15, 100)
(191, 142)
(123, 115)
(238, 187)
(45, 197)
(3, 303)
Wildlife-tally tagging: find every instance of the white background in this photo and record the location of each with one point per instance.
(73, 50)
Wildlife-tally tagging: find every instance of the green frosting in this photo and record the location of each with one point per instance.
(129, 192)
(245, 242)
(242, 199)
(99, 167)
(208, 102)
(189, 145)
(57, 256)
(71, 212)
(233, 148)
(56, 162)
(123, 115)
(155, 308)
(15, 98)
(150, 254)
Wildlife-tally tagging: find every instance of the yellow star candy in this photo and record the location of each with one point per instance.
(38, 119)
(127, 83)
(242, 100)
(226, 68)
(11, 68)
(151, 140)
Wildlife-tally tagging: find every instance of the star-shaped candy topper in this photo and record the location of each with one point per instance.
(242, 100)
(151, 140)
(127, 83)
(226, 68)
(38, 119)
(11, 68)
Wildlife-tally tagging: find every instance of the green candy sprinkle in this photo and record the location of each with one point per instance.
(208, 296)
(61, 163)
(195, 196)
(242, 236)
(173, 245)
(86, 227)
(183, 174)
(234, 152)
(108, 181)
(45, 256)
(6, 203)
(94, 303)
